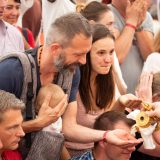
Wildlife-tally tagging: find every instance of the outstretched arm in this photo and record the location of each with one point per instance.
(78, 133)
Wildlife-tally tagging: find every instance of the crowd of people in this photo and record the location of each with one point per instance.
(71, 72)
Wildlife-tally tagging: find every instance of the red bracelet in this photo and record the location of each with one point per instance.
(131, 26)
(104, 135)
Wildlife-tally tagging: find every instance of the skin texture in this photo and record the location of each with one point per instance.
(102, 56)
(11, 12)
(134, 13)
(107, 19)
(108, 151)
(74, 54)
(10, 129)
(3, 3)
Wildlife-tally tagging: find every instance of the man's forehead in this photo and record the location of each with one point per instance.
(3, 3)
(11, 115)
(122, 125)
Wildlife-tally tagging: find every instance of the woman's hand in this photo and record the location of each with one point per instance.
(129, 101)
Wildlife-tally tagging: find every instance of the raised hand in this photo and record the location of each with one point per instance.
(136, 12)
(122, 138)
(144, 90)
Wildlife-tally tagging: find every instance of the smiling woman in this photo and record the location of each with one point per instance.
(11, 15)
(11, 12)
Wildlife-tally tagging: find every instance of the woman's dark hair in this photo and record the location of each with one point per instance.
(104, 83)
(17, 1)
(94, 10)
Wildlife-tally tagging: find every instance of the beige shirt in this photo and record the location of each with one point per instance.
(84, 119)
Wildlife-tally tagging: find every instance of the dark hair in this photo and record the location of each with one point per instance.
(8, 101)
(94, 10)
(17, 1)
(107, 120)
(104, 83)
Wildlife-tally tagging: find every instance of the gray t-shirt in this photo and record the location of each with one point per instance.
(133, 63)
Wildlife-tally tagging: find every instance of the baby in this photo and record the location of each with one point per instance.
(57, 95)
(54, 129)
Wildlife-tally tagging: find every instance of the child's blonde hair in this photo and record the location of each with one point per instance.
(56, 95)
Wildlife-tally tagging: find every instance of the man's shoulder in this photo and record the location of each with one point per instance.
(10, 63)
(11, 67)
(13, 30)
(11, 76)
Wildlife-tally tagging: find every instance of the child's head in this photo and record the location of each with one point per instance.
(56, 95)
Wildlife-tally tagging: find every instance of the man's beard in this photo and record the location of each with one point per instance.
(59, 63)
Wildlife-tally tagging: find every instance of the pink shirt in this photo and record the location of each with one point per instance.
(84, 119)
(10, 39)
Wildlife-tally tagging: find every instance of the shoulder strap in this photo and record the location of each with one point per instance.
(29, 71)
(25, 34)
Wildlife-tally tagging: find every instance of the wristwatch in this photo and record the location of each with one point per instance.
(139, 29)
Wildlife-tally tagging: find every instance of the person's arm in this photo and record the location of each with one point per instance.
(145, 43)
(152, 152)
(133, 19)
(155, 112)
(123, 42)
(121, 85)
(78, 133)
(145, 37)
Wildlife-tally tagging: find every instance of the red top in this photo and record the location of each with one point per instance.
(30, 38)
(11, 155)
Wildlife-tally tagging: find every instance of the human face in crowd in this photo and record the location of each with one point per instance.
(11, 129)
(107, 19)
(11, 12)
(113, 152)
(3, 4)
(101, 55)
(74, 54)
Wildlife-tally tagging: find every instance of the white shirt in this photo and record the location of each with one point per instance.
(11, 39)
(51, 11)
